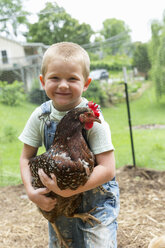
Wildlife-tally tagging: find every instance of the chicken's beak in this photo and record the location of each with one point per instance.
(84, 118)
(97, 119)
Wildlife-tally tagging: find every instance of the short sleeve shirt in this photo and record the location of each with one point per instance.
(99, 136)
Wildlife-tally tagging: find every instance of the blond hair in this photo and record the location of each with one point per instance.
(68, 51)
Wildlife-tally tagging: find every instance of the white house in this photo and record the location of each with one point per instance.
(20, 61)
(11, 54)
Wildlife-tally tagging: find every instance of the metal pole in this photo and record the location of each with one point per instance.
(129, 114)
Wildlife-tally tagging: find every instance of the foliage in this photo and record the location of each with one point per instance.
(134, 87)
(36, 95)
(11, 94)
(157, 55)
(155, 41)
(96, 93)
(148, 153)
(55, 25)
(12, 16)
(93, 56)
(159, 69)
(140, 58)
(117, 32)
(116, 91)
(112, 63)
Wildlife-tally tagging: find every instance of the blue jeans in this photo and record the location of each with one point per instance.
(83, 235)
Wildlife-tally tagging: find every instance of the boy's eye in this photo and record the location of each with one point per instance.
(55, 78)
(72, 79)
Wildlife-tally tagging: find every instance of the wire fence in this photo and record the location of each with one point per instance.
(24, 69)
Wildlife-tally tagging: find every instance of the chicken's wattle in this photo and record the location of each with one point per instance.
(88, 125)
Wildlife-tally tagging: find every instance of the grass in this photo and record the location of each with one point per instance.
(149, 144)
(12, 118)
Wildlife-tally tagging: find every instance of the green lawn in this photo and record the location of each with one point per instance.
(149, 144)
(12, 118)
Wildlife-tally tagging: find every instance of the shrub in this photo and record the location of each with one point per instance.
(112, 63)
(11, 94)
(96, 93)
(37, 95)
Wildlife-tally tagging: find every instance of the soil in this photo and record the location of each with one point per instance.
(141, 218)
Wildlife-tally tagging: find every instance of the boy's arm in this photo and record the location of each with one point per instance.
(35, 195)
(102, 173)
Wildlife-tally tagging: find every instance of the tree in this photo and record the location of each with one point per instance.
(117, 35)
(55, 25)
(156, 28)
(141, 59)
(159, 68)
(157, 55)
(12, 16)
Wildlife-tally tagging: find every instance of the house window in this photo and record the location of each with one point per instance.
(4, 57)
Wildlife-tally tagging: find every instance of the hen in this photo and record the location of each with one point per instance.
(72, 162)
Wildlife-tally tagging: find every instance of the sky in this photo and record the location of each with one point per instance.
(137, 14)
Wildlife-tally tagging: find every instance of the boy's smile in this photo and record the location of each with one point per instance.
(64, 83)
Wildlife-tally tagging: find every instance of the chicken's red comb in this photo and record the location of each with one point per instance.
(94, 107)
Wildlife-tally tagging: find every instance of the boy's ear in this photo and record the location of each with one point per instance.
(42, 81)
(87, 83)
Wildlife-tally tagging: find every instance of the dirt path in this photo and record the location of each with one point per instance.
(142, 214)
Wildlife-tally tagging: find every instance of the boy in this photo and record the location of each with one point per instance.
(65, 76)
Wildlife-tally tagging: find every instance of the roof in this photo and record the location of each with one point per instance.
(25, 44)
(9, 39)
(34, 44)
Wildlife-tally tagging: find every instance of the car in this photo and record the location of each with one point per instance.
(99, 74)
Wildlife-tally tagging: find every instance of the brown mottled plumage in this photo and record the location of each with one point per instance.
(72, 162)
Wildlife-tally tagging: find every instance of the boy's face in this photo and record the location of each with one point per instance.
(64, 83)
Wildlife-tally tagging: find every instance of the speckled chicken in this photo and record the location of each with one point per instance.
(72, 162)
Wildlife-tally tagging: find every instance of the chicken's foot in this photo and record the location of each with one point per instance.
(59, 236)
(87, 217)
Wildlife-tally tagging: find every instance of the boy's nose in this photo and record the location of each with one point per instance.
(63, 84)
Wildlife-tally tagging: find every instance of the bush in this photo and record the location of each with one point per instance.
(96, 93)
(112, 63)
(11, 94)
(133, 88)
(37, 95)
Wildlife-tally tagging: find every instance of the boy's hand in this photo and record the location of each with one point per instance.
(38, 197)
(51, 184)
